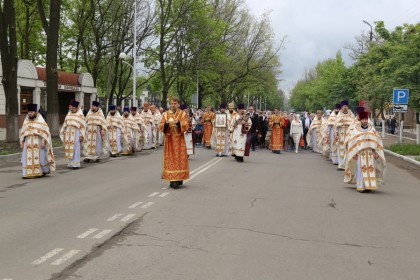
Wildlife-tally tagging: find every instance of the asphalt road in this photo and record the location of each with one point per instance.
(287, 216)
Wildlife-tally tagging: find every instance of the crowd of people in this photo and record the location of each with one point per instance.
(349, 141)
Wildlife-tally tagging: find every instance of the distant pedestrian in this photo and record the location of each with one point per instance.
(393, 125)
(296, 131)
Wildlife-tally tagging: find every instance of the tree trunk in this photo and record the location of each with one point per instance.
(52, 30)
(8, 50)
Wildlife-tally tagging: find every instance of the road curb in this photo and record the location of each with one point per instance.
(403, 157)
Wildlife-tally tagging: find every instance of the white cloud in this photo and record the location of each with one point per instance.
(317, 30)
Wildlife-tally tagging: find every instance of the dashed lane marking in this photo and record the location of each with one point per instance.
(47, 256)
(128, 217)
(102, 233)
(153, 194)
(135, 205)
(116, 216)
(164, 194)
(147, 205)
(87, 233)
(65, 257)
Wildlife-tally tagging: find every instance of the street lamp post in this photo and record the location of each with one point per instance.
(371, 31)
(123, 56)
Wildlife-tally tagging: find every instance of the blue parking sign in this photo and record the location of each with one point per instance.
(400, 96)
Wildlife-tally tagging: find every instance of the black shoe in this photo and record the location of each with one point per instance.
(174, 184)
(86, 160)
(240, 159)
(217, 155)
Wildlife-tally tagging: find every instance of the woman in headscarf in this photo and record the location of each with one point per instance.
(296, 131)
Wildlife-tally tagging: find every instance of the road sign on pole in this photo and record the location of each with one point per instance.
(400, 96)
(400, 108)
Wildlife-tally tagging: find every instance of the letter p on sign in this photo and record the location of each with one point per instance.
(400, 96)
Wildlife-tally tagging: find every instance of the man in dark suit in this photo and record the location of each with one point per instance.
(263, 124)
(254, 128)
(306, 123)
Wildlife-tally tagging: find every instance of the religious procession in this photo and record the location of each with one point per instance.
(348, 140)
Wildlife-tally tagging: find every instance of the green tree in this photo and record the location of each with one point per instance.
(9, 62)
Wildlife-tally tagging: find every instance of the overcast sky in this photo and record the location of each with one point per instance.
(316, 30)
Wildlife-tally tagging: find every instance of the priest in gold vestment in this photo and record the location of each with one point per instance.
(174, 123)
(95, 144)
(207, 120)
(276, 122)
(344, 119)
(365, 159)
(314, 137)
(35, 140)
(73, 134)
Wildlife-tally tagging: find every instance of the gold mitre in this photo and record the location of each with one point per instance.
(171, 98)
(231, 105)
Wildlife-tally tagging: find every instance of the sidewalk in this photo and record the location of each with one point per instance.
(393, 139)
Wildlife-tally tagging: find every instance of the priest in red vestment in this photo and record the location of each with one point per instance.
(175, 159)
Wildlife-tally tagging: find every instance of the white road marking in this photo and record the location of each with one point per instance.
(153, 194)
(204, 165)
(204, 169)
(165, 188)
(135, 205)
(127, 217)
(164, 194)
(65, 257)
(7, 279)
(102, 233)
(148, 204)
(113, 218)
(47, 256)
(87, 233)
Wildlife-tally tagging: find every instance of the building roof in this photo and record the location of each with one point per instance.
(64, 78)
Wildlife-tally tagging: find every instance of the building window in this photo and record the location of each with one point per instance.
(26, 97)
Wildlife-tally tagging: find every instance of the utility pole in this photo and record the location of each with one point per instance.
(135, 54)
(371, 31)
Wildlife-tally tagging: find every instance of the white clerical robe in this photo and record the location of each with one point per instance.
(314, 137)
(147, 122)
(138, 133)
(95, 145)
(330, 134)
(343, 121)
(230, 129)
(239, 138)
(72, 133)
(188, 135)
(116, 133)
(37, 153)
(365, 161)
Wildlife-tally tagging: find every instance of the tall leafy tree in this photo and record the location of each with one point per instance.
(9, 62)
(51, 27)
